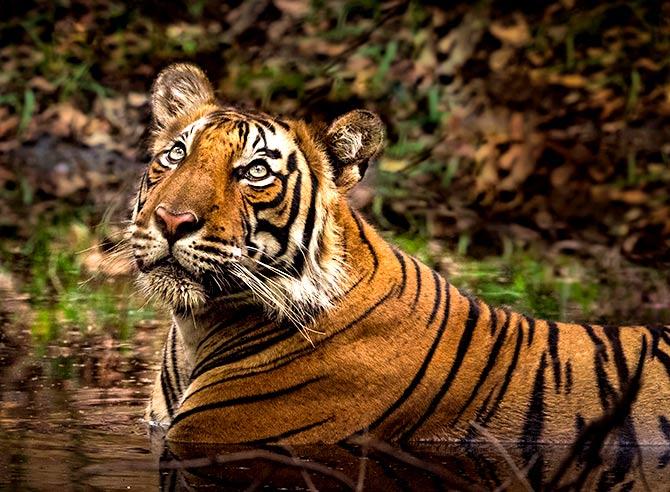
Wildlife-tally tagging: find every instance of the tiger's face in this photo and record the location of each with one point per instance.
(237, 203)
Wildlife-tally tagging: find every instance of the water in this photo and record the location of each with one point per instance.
(74, 403)
(76, 369)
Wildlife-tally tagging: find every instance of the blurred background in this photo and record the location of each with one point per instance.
(528, 159)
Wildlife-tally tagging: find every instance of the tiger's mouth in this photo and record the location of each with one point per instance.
(170, 283)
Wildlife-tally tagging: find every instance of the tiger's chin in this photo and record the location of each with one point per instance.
(173, 287)
(177, 288)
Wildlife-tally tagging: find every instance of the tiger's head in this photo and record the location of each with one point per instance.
(240, 204)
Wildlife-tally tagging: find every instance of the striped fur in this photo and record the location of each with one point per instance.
(339, 333)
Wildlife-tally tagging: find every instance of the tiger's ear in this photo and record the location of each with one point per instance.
(353, 140)
(178, 90)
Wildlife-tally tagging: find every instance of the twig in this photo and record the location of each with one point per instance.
(446, 475)
(523, 471)
(254, 454)
(303, 472)
(520, 478)
(360, 483)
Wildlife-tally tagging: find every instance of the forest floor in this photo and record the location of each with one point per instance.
(527, 155)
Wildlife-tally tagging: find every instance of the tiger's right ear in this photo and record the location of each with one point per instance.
(178, 90)
(353, 140)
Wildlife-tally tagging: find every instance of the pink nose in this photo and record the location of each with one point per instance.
(175, 225)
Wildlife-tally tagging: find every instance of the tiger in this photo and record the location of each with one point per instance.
(295, 322)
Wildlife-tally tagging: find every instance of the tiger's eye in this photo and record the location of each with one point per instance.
(177, 153)
(257, 172)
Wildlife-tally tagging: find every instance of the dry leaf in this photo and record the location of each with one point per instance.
(294, 8)
(516, 35)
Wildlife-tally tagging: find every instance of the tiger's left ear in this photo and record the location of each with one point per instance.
(353, 140)
(178, 90)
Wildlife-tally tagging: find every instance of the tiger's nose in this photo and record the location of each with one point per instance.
(175, 225)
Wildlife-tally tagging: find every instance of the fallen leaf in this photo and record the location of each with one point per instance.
(516, 34)
(294, 8)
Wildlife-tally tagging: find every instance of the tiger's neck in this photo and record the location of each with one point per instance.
(378, 281)
(355, 258)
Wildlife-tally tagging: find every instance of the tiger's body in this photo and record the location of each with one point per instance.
(454, 360)
(338, 333)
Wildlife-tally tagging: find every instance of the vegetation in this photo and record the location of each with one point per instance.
(530, 142)
(527, 159)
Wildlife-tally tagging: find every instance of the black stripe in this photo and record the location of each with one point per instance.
(213, 362)
(552, 339)
(568, 378)
(438, 297)
(163, 167)
(289, 433)
(416, 380)
(663, 358)
(403, 270)
(463, 345)
(479, 414)
(418, 281)
(533, 426)
(612, 334)
(599, 344)
(308, 231)
(494, 319)
(266, 124)
(531, 330)
(283, 124)
(173, 356)
(287, 358)
(166, 385)
(274, 364)
(291, 163)
(605, 389)
(262, 134)
(247, 338)
(277, 200)
(281, 233)
(165, 388)
(507, 379)
(243, 131)
(141, 193)
(664, 427)
(369, 310)
(243, 400)
(270, 153)
(366, 241)
(657, 333)
(627, 443)
(240, 337)
(490, 362)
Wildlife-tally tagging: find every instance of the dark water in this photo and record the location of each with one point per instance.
(75, 374)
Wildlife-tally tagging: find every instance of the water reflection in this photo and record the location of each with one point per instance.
(73, 400)
(376, 466)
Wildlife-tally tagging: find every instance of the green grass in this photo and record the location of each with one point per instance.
(63, 296)
(559, 288)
